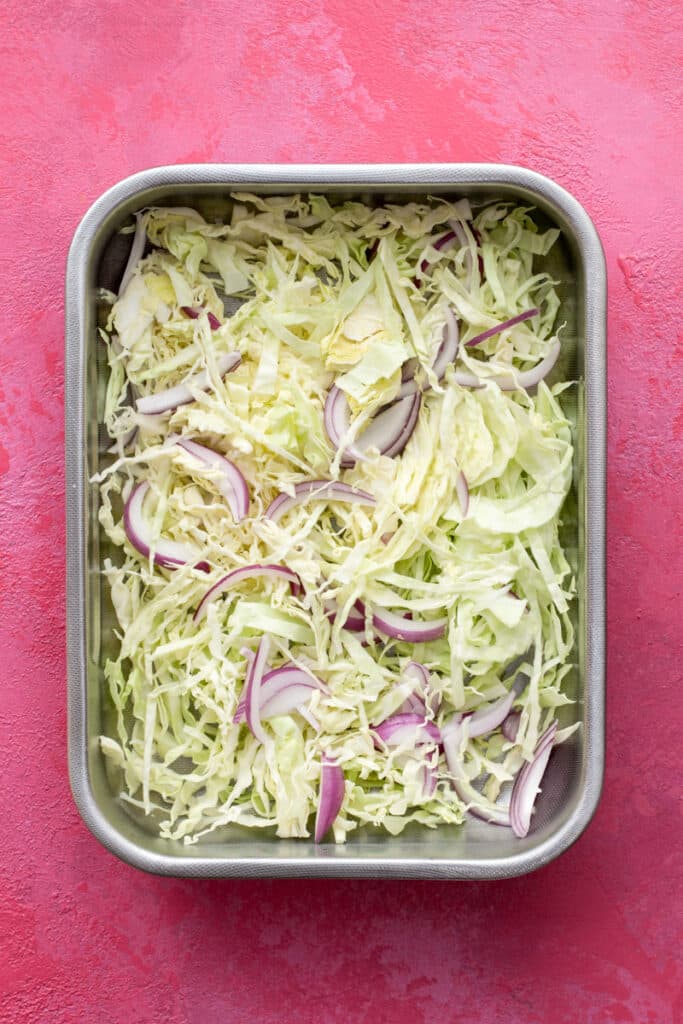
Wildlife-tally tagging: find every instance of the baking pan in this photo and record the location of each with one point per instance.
(573, 782)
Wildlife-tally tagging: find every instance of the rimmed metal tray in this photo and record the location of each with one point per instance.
(572, 785)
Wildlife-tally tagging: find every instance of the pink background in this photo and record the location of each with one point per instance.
(588, 93)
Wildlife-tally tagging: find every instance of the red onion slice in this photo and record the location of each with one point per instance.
(430, 777)
(231, 483)
(519, 319)
(422, 697)
(171, 398)
(409, 369)
(398, 627)
(252, 692)
(214, 322)
(462, 238)
(485, 720)
(464, 244)
(246, 572)
(389, 431)
(445, 355)
(317, 490)
(408, 383)
(407, 728)
(136, 250)
(463, 492)
(529, 378)
(510, 726)
(416, 672)
(283, 690)
(448, 349)
(331, 796)
(355, 620)
(527, 783)
(413, 705)
(442, 243)
(476, 804)
(337, 421)
(480, 259)
(513, 382)
(371, 250)
(288, 688)
(169, 554)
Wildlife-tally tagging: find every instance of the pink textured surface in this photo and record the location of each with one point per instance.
(589, 93)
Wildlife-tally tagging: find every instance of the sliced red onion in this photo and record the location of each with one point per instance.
(529, 378)
(399, 627)
(246, 572)
(464, 244)
(489, 718)
(407, 728)
(409, 369)
(252, 690)
(444, 242)
(337, 420)
(410, 387)
(171, 398)
(389, 431)
(283, 690)
(331, 796)
(509, 382)
(491, 814)
(510, 726)
(169, 554)
(416, 671)
(355, 620)
(430, 777)
(476, 804)
(422, 697)
(448, 349)
(445, 355)
(480, 259)
(214, 322)
(317, 490)
(527, 783)
(136, 250)
(231, 483)
(463, 493)
(371, 251)
(288, 688)
(519, 319)
(413, 705)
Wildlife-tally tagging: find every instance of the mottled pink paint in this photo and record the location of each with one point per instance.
(589, 93)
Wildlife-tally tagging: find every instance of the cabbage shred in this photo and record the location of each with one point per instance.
(310, 293)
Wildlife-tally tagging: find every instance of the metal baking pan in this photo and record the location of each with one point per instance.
(572, 785)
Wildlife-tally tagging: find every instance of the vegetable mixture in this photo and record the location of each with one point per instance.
(335, 488)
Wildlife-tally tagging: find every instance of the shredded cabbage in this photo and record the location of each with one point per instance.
(311, 292)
